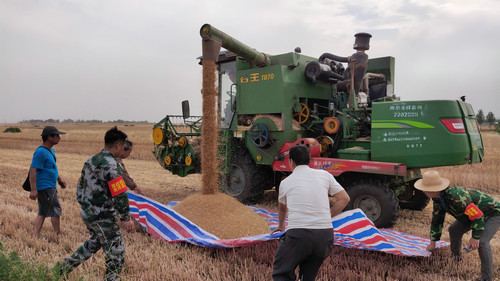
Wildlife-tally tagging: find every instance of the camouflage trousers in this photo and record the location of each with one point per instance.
(104, 234)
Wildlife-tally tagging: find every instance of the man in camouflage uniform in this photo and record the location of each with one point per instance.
(473, 210)
(101, 194)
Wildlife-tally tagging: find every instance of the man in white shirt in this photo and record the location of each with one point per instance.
(308, 240)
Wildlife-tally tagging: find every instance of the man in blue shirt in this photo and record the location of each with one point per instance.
(44, 177)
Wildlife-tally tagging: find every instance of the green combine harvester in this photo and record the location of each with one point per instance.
(342, 108)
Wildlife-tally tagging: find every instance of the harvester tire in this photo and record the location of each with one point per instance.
(413, 199)
(245, 181)
(377, 201)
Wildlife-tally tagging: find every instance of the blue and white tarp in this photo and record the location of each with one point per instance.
(352, 229)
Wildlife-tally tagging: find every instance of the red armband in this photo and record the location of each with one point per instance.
(473, 212)
(117, 186)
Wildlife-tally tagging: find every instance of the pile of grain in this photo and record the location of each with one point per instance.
(222, 215)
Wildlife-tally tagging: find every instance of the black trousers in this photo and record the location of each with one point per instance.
(305, 248)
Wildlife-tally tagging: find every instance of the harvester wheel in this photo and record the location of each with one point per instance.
(376, 200)
(303, 114)
(245, 181)
(412, 198)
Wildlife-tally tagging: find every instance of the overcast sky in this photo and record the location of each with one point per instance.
(136, 60)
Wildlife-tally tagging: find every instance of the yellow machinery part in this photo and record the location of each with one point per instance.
(168, 160)
(325, 144)
(303, 115)
(183, 142)
(188, 160)
(158, 135)
(331, 125)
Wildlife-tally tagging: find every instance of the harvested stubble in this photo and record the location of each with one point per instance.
(222, 215)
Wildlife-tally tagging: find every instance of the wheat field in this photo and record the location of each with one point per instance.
(148, 258)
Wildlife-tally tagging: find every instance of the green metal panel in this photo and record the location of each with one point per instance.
(277, 138)
(262, 84)
(276, 88)
(384, 65)
(354, 154)
(476, 142)
(412, 133)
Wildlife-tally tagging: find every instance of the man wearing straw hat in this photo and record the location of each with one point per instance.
(474, 210)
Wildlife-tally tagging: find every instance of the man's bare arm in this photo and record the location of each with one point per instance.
(341, 200)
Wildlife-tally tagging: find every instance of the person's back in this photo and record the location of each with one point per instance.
(306, 191)
(92, 191)
(308, 239)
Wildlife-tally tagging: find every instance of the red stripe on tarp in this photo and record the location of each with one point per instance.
(355, 226)
(166, 219)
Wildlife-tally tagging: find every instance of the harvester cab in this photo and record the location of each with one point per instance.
(343, 108)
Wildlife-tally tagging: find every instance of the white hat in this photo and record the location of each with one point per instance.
(432, 181)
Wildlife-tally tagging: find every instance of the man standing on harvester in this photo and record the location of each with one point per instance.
(308, 240)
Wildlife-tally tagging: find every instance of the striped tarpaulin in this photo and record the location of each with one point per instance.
(351, 229)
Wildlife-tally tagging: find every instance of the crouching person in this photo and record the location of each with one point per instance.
(473, 210)
(308, 240)
(101, 194)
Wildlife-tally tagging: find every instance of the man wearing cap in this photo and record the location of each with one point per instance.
(44, 177)
(474, 210)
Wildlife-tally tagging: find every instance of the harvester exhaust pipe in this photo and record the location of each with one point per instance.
(359, 62)
(213, 39)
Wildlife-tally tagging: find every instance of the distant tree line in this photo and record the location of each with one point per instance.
(66, 121)
(489, 119)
